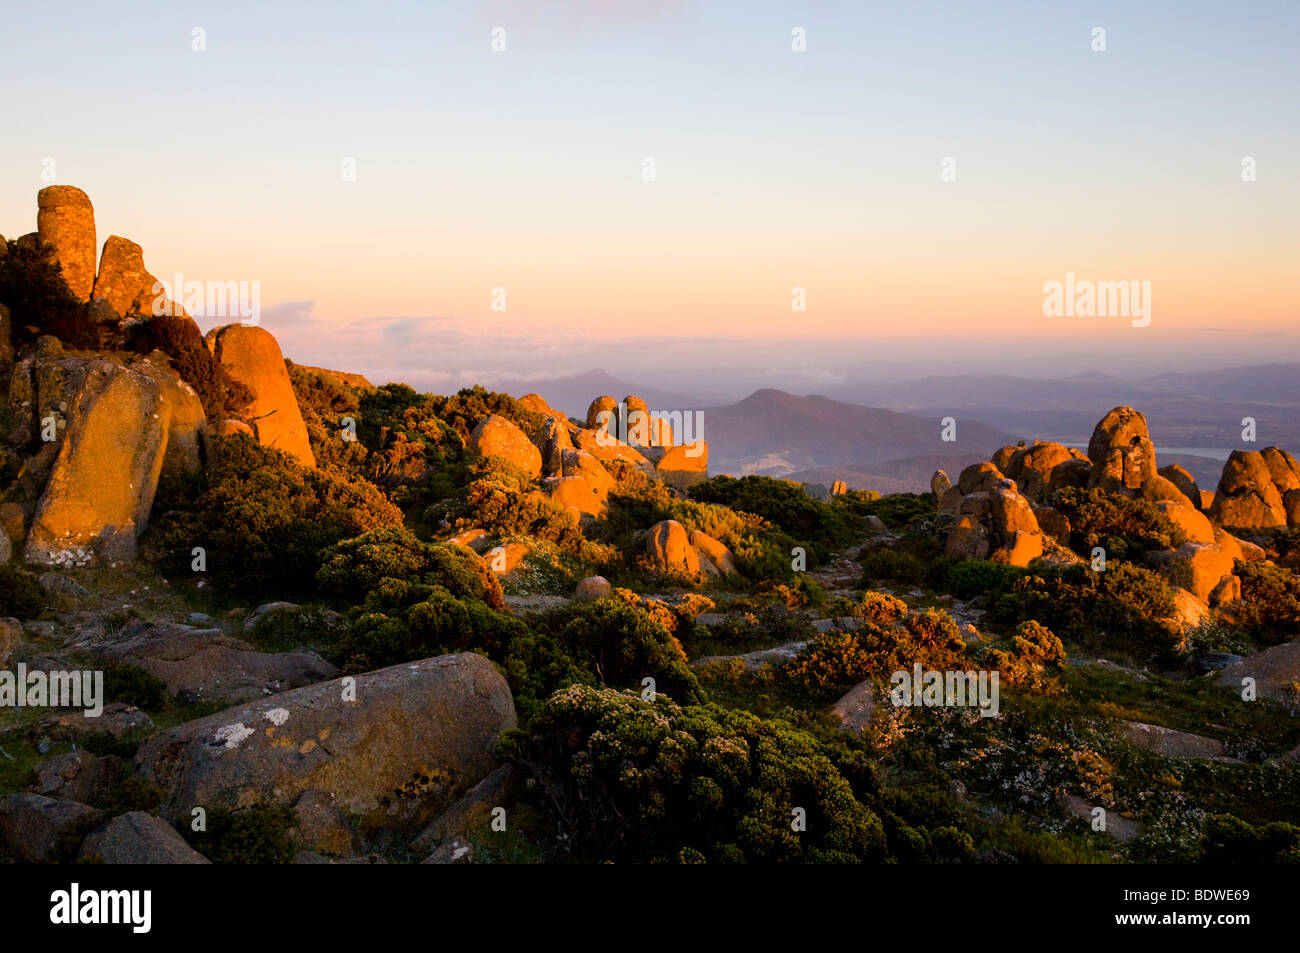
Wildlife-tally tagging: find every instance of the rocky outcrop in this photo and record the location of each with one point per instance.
(65, 220)
(421, 729)
(592, 587)
(1185, 482)
(127, 424)
(497, 437)
(1122, 455)
(668, 547)
(138, 838)
(35, 828)
(552, 441)
(1248, 499)
(940, 484)
(1041, 470)
(684, 465)
(125, 283)
(1192, 522)
(1199, 568)
(251, 356)
(714, 557)
(208, 665)
(596, 411)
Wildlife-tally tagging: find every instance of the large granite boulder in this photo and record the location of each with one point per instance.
(1247, 501)
(138, 838)
(668, 547)
(1121, 452)
(370, 741)
(251, 356)
(497, 437)
(127, 424)
(65, 220)
(208, 665)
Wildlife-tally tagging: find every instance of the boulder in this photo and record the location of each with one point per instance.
(1052, 522)
(80, 776)
(252, 357)
(1227, 591)
(552, 441)
(497, 437)
(939, 484)
(591, 588)
(364, 739)
(65, 220)
(1020, 548)
(857, 708)
(127, 424)
(6, 333)
(1185, 482)
(475, 539)
(208, 665)
(472, 811)
(1073, 472)
(1274, 670)
(668, 547)
(538, 405)
(978, 477)
(607, 448)
(138, 838)
(506, 558)
(1198, 568)
(950, 501)
(579, 463)
(1191, 521)
(1189, 612)
(1121, 452)
(1291, 506)
(124, 282)
(684, 465)
(11, 639)
(602, 405)
(1010, 513)
(967, 540)
(576, 492)
(1169, 743)
(714, 557)
(321, 825)
(1036, 469)
(37, 829)
(1246, 500)
(1283, 468)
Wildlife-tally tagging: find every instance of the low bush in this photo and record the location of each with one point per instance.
(655, 781)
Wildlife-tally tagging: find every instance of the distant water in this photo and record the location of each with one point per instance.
(1214, 453)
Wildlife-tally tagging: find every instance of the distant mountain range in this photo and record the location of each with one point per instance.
(886, 435)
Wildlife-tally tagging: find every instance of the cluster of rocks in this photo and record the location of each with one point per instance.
(572, 463)
(998, 509)
(1258, 491)
(406, 749)
(100, 428)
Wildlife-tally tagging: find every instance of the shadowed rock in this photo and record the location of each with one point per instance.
(65, 220)
(364, 740)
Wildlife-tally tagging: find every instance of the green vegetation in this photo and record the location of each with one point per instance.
(645, 781)
(263, 519)
(1125, 527)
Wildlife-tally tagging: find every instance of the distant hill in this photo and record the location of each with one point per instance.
(775, 433)
(574, 393)
(911, 475)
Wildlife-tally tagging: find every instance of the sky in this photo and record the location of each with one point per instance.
(217, 136)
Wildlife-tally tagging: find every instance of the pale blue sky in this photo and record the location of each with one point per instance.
(521, 169)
